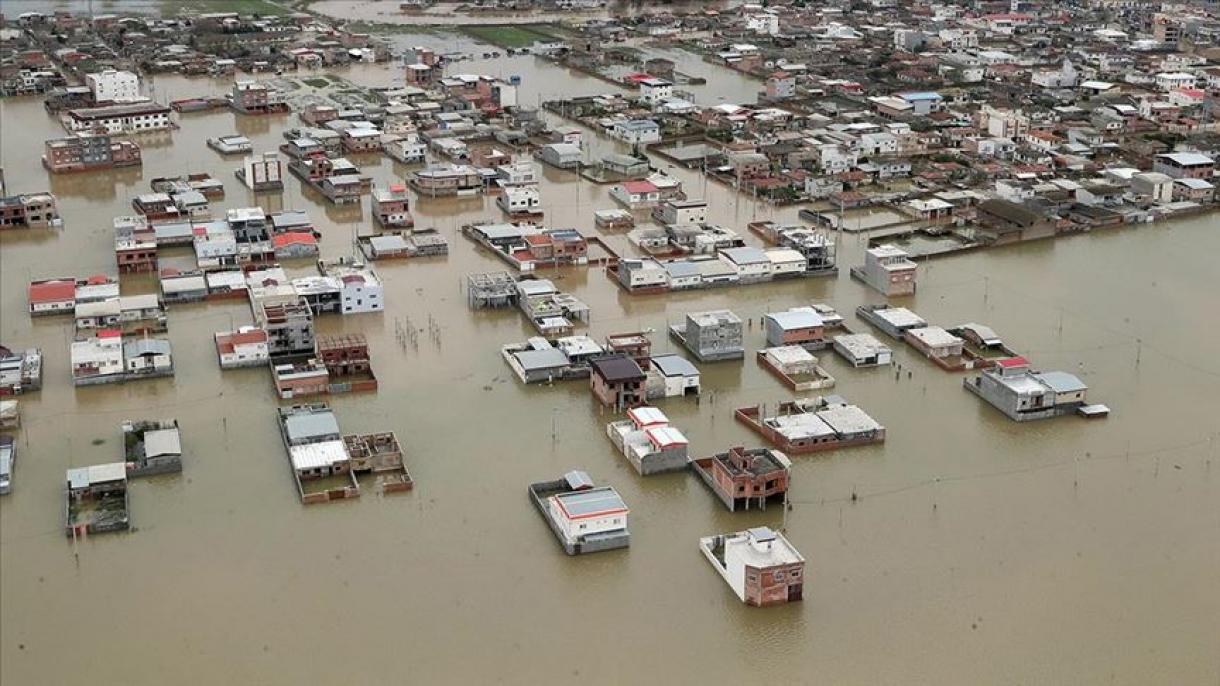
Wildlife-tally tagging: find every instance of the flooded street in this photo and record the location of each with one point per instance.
(442, 15)
(966, 549)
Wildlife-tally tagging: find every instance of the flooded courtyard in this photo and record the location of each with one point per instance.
(965, 549)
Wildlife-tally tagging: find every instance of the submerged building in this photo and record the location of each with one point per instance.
(759, 564)
(648, 441)
(711, 336)
(887, 270)
(1023, 394)
(585, 518)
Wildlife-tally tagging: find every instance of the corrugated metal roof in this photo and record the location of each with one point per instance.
(316, 455)
(304, 427)
(594, 502)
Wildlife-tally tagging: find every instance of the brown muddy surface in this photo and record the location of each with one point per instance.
(977, 550)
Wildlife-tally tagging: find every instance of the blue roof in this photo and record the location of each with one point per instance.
(920, 95)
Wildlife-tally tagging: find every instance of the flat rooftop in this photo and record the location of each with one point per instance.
(593, 502)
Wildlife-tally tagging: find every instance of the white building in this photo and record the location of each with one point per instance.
(750, 263)
(1064, 77)
(516, 174)
(636, 194)
(682, 212)
(835, 158)
(584, 513)
(1169, 81)
(1154, 186)
(97, 360)
(888, 270)
(245, 347)
(519, 199)
(653, 91)
(408, 148)
(648, 441)
(676, 375)
(878, 144)
(263, 172)
(760, 565)
(766, 23)
(637, 131)
(111, 86)
(959, 39)
(862, 350)
(361, 289)
(132, 117)
(642, 273)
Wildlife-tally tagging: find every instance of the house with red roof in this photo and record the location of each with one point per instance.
(52, 296)
(245, 347)
(291, 244)
(636, 194)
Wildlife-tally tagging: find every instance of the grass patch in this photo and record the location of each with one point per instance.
(316, 82)
(508, 36)
(243, 7)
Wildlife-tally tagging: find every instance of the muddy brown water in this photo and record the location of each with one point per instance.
(978, 550)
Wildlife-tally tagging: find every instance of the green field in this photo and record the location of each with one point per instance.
(259, 7)
(508, 36)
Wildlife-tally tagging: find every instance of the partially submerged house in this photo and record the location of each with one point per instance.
(648, 441)
(759, 564)
(585, 518)
(245, 347)
(806, 426)
(617, 381)
(862, 350)
(743, 477)
(801, 326)
(982, 341)
(888, 270)
(8, 461)
(539, 360)
(1014, 388)
(944, 349)
(96, 499)
(347, 362)
(152, 447)
(711, 336)
(147, 357)
(20, 371)
(321, 465)
(98, 360)
(796, 367)
(671, 375)
(379, 455)
(893, 321)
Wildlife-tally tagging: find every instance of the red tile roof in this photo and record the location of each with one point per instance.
(639, 187)
(294, 238)
(59, 290)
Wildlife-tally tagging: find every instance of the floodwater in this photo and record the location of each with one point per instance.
(442, 14)
(966, 549)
